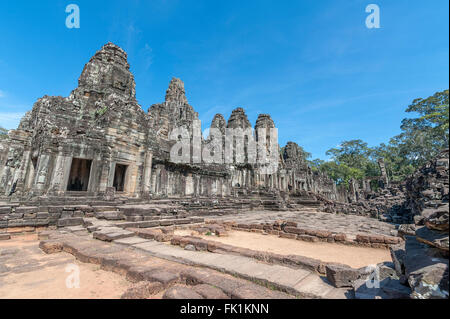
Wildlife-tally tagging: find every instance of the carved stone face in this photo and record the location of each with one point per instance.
(14, 157)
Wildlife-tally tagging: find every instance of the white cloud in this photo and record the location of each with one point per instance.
(10, 120)
(2, 94)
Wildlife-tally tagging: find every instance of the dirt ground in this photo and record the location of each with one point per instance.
(28, 273)
(355, 257)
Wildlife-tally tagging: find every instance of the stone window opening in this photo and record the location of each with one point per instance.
(119, 177)
(80, 172)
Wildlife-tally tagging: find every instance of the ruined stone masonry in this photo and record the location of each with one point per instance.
(99, 141)
(92, 174)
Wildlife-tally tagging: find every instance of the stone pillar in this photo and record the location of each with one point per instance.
(146, 185)
(30, 176)
(384, 175)
(56, 182)
(40, 179)
(106, 175)
(5, 180)
(20, 174)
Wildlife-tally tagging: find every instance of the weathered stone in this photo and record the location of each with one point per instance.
(294, 230)
(341, 275)
(164, 277)
(142, 290)
(64, 222)
(340, 237)
(438, 239)
(180, 292)
(308, 238)
(287, 235)
(50, 247)
(362, 238)
(209, 292)
(5, 236)
(398, 255)
(426, 269)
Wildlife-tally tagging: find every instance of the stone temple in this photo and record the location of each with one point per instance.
(100, 141)
(92, 178)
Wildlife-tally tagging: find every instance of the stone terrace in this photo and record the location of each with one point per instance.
(348, 224)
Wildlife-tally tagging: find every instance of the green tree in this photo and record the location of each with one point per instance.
(341, 173)
(354, 159)
(3, 133)
(421, 139)
(424, 136)
(315, 164)
(354, 153)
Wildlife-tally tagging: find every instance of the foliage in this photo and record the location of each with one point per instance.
(421, 139)
(3, 133)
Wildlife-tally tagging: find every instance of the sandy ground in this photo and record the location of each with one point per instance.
(28, 273)
(349, 255)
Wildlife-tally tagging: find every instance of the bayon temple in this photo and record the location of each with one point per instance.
(95, 176)
(101, 142)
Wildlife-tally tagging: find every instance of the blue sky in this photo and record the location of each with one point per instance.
(313, 65)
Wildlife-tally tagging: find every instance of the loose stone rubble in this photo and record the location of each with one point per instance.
(92, 174)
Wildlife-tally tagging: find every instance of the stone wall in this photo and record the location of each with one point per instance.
(423, 259)
(101, 124)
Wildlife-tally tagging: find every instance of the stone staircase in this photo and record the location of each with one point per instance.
(297, 282)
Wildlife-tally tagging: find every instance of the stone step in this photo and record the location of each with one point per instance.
(161, 222)
(70, 221)
(110, 215)
(111, 233)
(139, 266)
(105, 208)
(299, 282)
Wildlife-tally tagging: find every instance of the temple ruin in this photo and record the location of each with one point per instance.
(99, 140)
(92, 178)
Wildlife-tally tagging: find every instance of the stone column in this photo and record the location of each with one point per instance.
(56, 182)
(20, 174)
(40, 179)
(384, 175)
(106, 175)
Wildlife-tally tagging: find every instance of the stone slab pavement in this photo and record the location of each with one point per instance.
(339, 223)
(299, 282)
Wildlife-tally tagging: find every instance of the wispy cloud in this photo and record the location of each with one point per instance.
(2, 94)
(10, 120)
(147, 53)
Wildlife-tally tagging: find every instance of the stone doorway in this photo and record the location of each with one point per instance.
(80, 172)
(119, 177)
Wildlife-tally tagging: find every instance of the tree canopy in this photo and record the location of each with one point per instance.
(3, 133)
(421, 139)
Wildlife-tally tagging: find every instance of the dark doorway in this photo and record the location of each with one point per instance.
(79, 175)
(119, 177)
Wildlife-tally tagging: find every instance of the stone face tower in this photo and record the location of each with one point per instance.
(108, 72)
(238, 119)
(174, 111)
(98, 141)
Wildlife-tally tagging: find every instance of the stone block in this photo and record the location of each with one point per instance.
(341, 275)
(209, 292)
(50, 247)
(287, 235)
(4, 236)
(64, 222)
(142, 290)
(376, 239)
(340, 237)
(180, 292)
(26, 209)
(5, 210)
(362, 238)
(308, 238)
(294, 230)
(42, 215)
